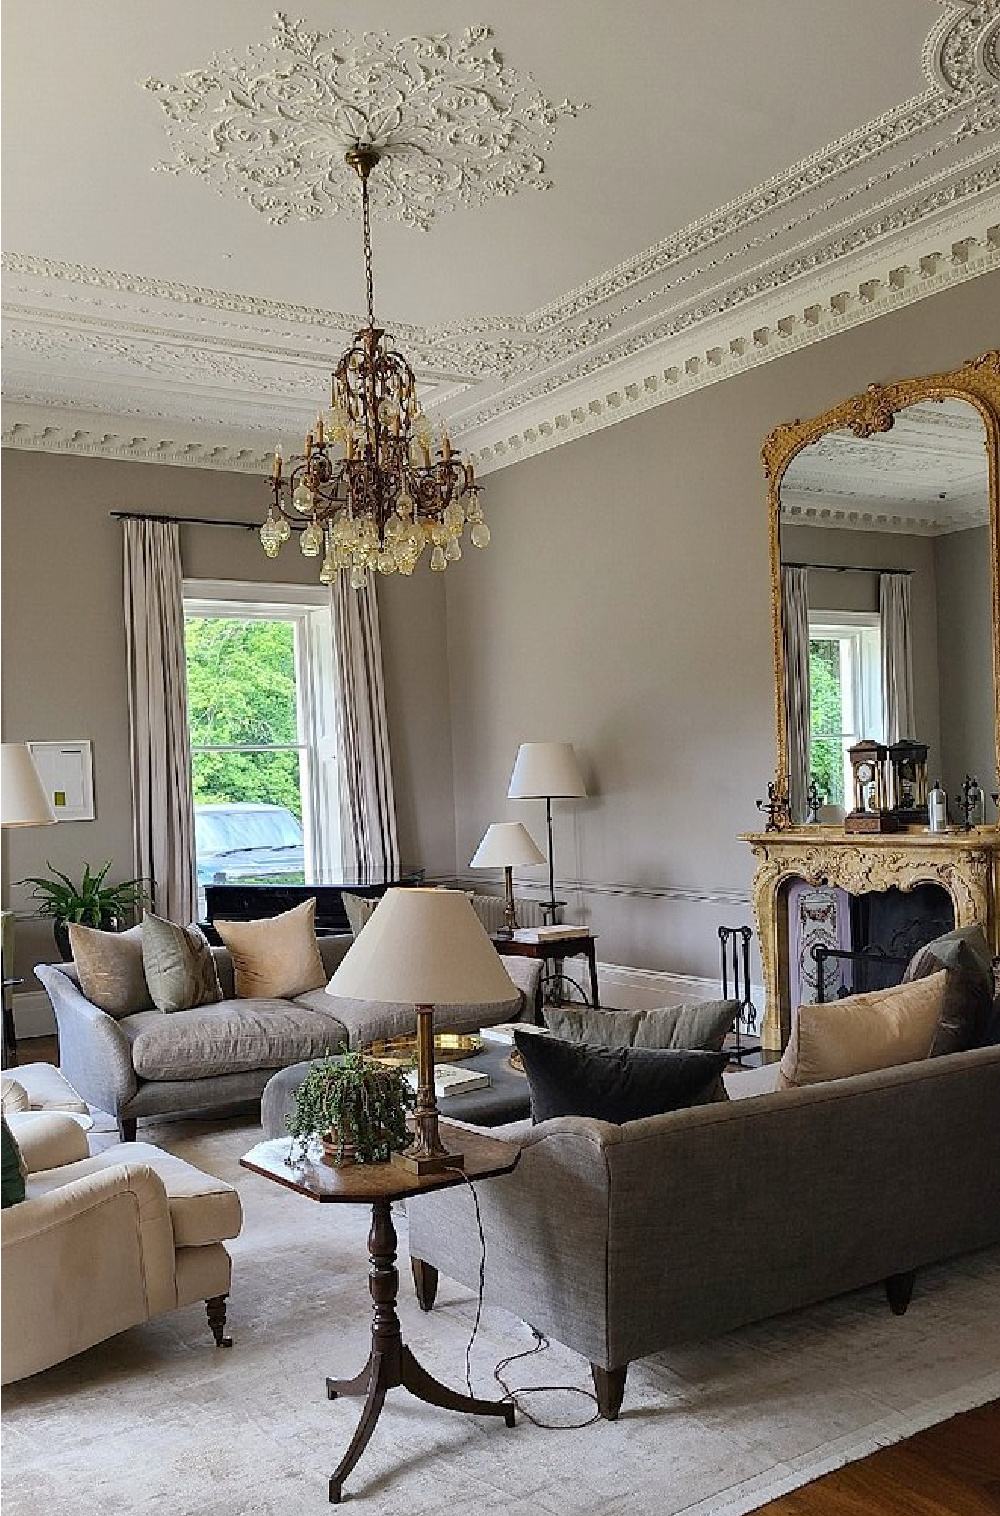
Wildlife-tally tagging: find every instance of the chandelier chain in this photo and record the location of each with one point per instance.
(366, 219)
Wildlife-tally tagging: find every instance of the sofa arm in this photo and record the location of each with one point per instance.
(117, 1219)
(94, 1053)
(47, 1139)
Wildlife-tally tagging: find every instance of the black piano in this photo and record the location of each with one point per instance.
(243, 900)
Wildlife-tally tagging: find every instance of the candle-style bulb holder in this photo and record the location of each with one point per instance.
(426, 1154)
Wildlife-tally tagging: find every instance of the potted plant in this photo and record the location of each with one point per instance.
(91, 902)
(356, 1106)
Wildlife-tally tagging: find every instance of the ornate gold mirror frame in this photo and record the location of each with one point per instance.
(977, 382)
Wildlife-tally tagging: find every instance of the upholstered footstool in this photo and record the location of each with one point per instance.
(505, 1099)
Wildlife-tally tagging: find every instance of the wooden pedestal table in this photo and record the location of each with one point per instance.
(390, 1362)
(554, 950)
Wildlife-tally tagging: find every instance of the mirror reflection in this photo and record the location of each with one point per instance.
(886, 600)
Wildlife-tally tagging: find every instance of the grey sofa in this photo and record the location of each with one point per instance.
(219, 1057)
(620, 1241)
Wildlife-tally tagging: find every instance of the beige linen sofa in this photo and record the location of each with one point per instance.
(220, 1056)
(150, 1227)
(620, 1241)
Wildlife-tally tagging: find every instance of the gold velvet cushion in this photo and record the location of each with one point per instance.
(109, 966)
(178, 964)
(277, 958)
(862, 1033)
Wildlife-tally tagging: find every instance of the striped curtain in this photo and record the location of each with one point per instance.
(795, 631)
(369, 844)
(897, 656)
(162, 805)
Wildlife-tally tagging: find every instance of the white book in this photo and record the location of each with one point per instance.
(544, 933)
(453, 1079)
(504, 1031)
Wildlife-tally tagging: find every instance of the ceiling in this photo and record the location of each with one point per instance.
(928, 474)
(582, 211)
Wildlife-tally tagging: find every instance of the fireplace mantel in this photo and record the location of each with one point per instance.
(965, 864)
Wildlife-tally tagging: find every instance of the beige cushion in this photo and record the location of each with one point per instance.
(109, 966)
(48, 1089)
(277, 958)
(863, 1032)
(13, 1097)
(178, 964)
(203, 1209)
(229, 1037)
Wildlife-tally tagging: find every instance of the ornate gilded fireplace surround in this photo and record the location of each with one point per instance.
(965, 864)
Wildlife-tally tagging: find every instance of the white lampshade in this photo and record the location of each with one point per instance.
(546, 770)
(506, 844)
(423, 947)
(23, 801)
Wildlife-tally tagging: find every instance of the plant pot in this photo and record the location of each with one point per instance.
(332, 1153)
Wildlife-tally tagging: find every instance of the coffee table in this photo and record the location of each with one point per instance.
(390, 1362)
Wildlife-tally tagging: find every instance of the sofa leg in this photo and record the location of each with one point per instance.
(425, 1282)
(898, 1289)
(127, 1128)
(610, 1387)
(216, 1308)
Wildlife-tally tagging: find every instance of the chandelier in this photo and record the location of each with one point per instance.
(368, 491)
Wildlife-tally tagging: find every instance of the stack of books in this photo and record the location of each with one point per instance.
(546, 933)
(452, 1079)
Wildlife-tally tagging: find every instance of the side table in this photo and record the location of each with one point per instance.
(390, 1362)
(555, 948)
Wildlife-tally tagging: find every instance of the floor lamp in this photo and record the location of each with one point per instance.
(23, 802)
(505, 845)
(547, 771)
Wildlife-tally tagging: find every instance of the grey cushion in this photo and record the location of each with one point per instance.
(230, 1037)
(358, 909)
(614, 1084)
(178, 965)
(701, 1024)
(968, 998)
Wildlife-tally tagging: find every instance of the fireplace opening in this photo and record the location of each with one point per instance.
(842, 944)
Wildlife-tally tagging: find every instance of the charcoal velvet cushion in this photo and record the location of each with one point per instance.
(276, 958)
(11, 1170)
(862, 1033)
(968, 1000)
(109, 967)
(178, 964)
(614, 1084)
(701, 1024)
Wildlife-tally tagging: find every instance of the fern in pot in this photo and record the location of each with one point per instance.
(356, 1106)
(91, 902)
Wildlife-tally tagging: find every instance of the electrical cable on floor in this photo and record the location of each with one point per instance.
(540, 1344)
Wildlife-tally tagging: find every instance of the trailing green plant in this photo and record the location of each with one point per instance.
(355, 1103)
(91, 902)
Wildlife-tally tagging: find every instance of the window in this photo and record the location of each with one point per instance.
(845, 696)
(263, 759)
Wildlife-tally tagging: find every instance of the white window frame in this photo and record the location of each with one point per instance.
(859, 635)
(307, 607)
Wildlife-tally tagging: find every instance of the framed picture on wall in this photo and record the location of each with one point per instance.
(66, 770)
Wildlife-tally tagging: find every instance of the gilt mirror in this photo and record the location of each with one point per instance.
(885, 561)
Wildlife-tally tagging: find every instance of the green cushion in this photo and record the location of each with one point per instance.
(11, 1170)
(178, 964)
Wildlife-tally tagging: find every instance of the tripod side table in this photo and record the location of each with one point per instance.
(390, 1362)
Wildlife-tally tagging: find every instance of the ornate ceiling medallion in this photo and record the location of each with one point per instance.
(454, 125)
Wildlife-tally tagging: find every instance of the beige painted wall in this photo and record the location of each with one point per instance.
(64, 651)
(624, 606)
(963, 576)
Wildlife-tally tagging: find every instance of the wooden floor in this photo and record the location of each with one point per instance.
(952, 1469)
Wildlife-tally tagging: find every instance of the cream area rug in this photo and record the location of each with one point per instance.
(159, 1420)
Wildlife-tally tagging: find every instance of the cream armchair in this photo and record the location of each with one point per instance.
(104, 1243)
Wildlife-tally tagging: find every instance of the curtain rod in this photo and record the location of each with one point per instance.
(848, 568)
(246, 526)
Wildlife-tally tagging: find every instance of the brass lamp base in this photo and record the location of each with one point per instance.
(426, 1154)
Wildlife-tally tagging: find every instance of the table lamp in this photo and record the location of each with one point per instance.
(426, 947)
(547, 771)
(23, 802)
(505, 844)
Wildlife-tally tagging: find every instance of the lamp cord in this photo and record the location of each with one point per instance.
(539, 1345)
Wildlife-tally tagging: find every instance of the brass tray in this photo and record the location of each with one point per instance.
(449, 1047)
